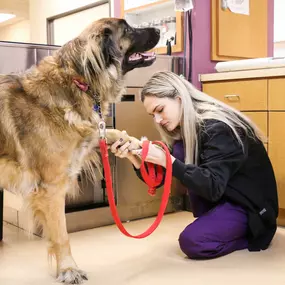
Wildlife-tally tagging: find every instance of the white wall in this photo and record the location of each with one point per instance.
(18, 32)
(40, 10)
(279, 20)
(279, 28)
(279, 49)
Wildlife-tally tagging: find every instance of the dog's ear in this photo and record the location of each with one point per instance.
(110, 49)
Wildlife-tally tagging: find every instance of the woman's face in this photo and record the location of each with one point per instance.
(165, 111)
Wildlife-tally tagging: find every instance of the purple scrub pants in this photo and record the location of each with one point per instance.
(218, 232)
(219, 229)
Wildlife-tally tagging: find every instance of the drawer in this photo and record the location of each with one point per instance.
(260, 119)
(244, 95)
(276, 94)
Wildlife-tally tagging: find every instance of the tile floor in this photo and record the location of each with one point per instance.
(110, 258)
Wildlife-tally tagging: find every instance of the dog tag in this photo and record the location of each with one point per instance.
(102, 129)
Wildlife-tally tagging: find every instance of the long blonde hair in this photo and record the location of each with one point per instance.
(196, 107)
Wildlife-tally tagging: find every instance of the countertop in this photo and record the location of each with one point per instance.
(244, 74)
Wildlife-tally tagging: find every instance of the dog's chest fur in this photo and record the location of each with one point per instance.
(43, 133)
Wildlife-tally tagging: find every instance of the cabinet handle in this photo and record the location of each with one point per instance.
(128, 98)
(232, 97)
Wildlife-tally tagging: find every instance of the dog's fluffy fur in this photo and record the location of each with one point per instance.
(48, 127)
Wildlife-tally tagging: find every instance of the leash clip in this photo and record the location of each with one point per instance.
(102, 129)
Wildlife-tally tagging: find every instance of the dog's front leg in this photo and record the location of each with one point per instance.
(49, 208)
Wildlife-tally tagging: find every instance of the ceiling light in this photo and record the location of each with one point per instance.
(5, 17)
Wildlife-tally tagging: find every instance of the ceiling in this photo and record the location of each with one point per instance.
(18, 7)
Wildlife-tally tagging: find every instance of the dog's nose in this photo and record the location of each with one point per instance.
(157, 31)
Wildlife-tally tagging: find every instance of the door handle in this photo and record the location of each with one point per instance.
(232, 97)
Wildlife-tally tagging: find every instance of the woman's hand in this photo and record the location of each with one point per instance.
(122, 151)
(155, 155)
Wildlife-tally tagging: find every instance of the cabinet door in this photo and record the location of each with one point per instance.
(276, 151)
(237, 36)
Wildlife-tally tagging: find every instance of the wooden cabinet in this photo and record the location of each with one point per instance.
(247, 96)
(238, 36)
(262, 99)
(142, 13)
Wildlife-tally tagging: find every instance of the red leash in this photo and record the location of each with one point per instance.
(151, 180)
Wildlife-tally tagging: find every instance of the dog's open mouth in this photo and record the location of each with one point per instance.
(142, 57)
(137, 60)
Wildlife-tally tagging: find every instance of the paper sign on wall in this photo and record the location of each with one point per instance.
(239, 6)
(183, 5)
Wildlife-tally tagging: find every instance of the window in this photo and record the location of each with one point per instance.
(66, 26)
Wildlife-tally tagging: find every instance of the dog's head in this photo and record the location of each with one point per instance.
(121, 42)
(103, 53)
(112, 41)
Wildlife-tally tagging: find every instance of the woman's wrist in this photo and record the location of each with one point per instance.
(164, 160)
(135, 161)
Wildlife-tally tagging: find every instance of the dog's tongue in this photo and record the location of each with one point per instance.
(147, 54)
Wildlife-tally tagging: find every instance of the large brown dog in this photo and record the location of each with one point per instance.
(49, 129)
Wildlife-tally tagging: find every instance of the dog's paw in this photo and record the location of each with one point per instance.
(113, 135)
(135, 143)
(72, 276)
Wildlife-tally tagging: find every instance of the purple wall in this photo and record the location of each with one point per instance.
(201, 31)
(117, 8)
(270, 28)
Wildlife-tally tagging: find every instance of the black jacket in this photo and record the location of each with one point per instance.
(243, 176)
